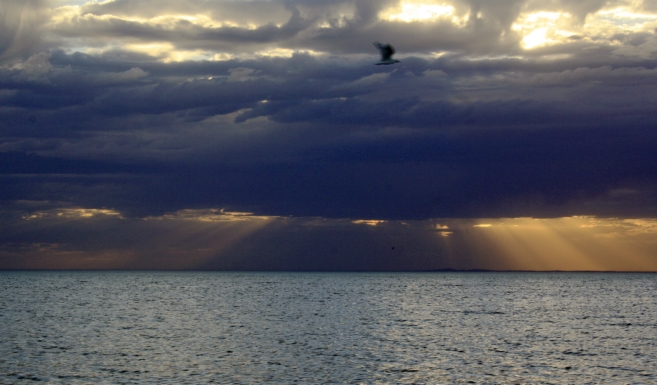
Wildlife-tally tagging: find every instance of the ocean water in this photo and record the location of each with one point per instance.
(327, 328)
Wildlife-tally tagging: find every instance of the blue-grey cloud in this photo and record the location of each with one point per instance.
(469, 124)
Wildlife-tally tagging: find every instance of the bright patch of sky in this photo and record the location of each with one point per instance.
(211, 215)
(536, 27)
(409, 11)
(539, 29)
(626, 19)
(62, 3)
(73, 213)
(543, 28)
(368, 222)
(582, 243)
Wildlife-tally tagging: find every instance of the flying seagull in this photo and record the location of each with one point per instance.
(386, 54)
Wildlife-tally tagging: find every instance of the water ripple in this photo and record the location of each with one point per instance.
(279, 328)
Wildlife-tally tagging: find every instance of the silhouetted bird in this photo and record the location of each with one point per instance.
(386, 54)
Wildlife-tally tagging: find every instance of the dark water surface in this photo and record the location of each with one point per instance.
(316, 328)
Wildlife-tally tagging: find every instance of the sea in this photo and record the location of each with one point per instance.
(118, 327)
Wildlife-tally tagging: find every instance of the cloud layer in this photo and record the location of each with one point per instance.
(76, 238)
(506, 108)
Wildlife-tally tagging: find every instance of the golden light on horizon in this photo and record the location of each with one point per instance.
(197, 238)
(571, 243)
(192, 246)
(186, 239)
(54, 257)
(443, 230)
(368, 222)
(73, 213)
(201, 235)
(211, 215)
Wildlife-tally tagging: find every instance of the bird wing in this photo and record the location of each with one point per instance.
(379, 46)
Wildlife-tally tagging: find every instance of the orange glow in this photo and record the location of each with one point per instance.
(54, 256)
(368, 222)
(215, 238)
(186, 239)
(571, 243)
(73, 213)
(209, 235)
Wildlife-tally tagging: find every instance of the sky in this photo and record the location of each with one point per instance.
(259, 135)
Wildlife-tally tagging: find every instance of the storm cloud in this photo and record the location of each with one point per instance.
(498, 109)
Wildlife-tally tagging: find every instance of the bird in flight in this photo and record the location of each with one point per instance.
(386, 54)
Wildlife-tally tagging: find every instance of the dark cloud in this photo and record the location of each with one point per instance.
(135, 134)
(297, 25)
(292, 119)
(412, 175)
(312, 137)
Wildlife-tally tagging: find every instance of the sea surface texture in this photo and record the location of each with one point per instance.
(327, 328)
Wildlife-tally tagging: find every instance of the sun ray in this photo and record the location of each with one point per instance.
(570, 243)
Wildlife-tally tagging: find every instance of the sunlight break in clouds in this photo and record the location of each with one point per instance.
(132, 123)
(191, 239)
(212, 215)
(572, 243)
(74, 213)
(408, 11)
(177, 33)
(543, 28)
(626, 20)
(163, 35)
(368, 222)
